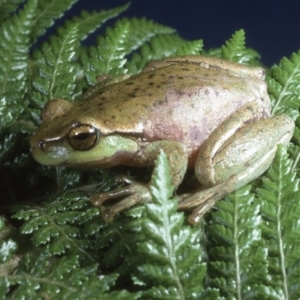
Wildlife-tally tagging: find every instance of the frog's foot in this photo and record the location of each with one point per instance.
(136, 193)
(203, 200)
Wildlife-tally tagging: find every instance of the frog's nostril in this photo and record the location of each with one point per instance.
(41, 145)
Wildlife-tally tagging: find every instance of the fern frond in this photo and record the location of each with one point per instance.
(190, 48)
(159, 47)
(284, 86)
(7, 246)
(109, 57)
(237, 254)
(7, 7)
(47, 12)
(169, 246)
(60, 278)
(279, 199)
(141, 31)
(56, 71)
(54, 224)
(14, 48)
(88, 22)
(234, 49)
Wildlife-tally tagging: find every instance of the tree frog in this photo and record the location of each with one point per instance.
(206, 113)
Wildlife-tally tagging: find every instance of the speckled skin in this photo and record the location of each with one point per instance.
(180, 101)
(204, 112)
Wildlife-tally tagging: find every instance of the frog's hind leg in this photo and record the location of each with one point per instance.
(225, 166)
(204, 200)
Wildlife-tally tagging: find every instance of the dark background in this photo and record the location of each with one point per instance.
(272, 27)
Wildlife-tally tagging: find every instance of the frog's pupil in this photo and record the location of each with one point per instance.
(82, 136)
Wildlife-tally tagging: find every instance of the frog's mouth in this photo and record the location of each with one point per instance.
(119, 158)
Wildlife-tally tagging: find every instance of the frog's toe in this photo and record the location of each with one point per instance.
(99, 199)
(136, 193)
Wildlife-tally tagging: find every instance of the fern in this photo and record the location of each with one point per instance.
(14, 48)
(88, 22)
(41, 274)
(234, 49)
(279, 198)
(160, 46)
(47, 12)
(53, 224)
(110, 54)
(283, 86)
(143, 30)
(7, 7)
(238, 262)
(56, 75)
(172, 254)
(7, 246)
(57, 245)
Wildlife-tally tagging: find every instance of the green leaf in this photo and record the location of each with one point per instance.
(47, 12)
(238, 256)
(88, 22)
(159, 47)
(7, 245)
(283, 86)
(14, 47)
(109, 57)
(56, 224)
(40, 274)
(141, 31)
(7, 7)
(234, 49)
(171, 255)
(280, 209)
(56, 71)
(190, 48)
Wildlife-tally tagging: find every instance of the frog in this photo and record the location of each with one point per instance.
(207, 114)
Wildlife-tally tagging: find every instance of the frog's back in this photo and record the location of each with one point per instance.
(180, 102)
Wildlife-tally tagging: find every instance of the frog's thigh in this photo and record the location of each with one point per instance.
(204, 199)
(217, 163)
(240, 159)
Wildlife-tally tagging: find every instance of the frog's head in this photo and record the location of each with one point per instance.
(66, 139)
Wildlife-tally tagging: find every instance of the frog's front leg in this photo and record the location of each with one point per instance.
(234, 155)
(137, 192)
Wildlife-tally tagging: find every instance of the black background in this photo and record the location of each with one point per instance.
(272, 27)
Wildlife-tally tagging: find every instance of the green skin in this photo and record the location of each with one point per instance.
(205, 113)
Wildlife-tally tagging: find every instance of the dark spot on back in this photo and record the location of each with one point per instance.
(150, 76)
(129, 83)
(85, 109)
(131, 95)
(81, 104)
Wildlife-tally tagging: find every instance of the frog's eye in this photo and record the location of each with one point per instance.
(83, 137)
